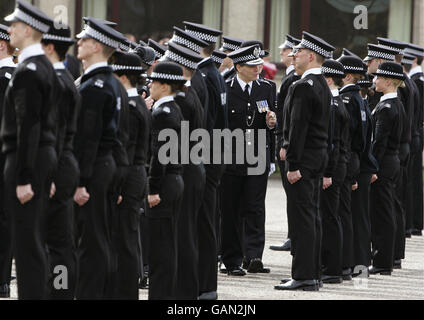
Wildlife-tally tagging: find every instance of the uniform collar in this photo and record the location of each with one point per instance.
(132, 92)
(7, 62)
(289, 69)
(315, 71)
(347, 86)
(335, 92)
(244, 84)
(388, 96)
(162, 101)
(31, 51)
(415, 70)
(59, 66)
(188, 83)
(96, 66)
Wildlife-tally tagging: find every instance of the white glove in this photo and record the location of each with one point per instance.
(271, 169)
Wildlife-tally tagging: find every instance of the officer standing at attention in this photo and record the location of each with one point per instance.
(60, 214)
(7, 67)
(94, 143)
(29, 137)
(216, 118)
(291, 76)
(305, 134)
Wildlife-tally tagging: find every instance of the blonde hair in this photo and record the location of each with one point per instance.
(398, 83)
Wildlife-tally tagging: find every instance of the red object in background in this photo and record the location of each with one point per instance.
(270, 70)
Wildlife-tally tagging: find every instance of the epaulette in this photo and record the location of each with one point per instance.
(166, 110)
(32, 66)
(7, 75)
(422, 78)
(310, 82)
(346, 99)
(99, 83)
(133, 103)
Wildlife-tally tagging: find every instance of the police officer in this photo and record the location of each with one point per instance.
(165, 183)
(305, 134)
(96, 138)
(216, 118)
(29, 137)
(291, 76)
(229, 45)
(7, 67)
(387, 117)
(243, 193)
(60, 214)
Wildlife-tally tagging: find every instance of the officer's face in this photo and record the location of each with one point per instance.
(382, 84)
(158, 90)
(301, 60)
(249, 73)
(86, 48)
(17, 32)
(285, 59)
(373, 65)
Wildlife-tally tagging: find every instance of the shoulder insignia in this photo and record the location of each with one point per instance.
(8, 75)
(133, 103)
(311, 82)
(203, 75)
(166, 110)
(118, 103)
(363, 116)
(32, 66)
(422, 78)
(387, 105)
(99, 83)
(335, 103)
(223, 99)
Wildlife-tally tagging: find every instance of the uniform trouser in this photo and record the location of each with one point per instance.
(5, 233)
(383, 217)
(417, 190)
(305, 228)
(208, 273)
(332, 230)
(60, 230)
(188, 248)
(361, 221)
(409, 195)
(127, 238)
(243, 218)
(94, 250)
(144, 237)
(163, 231)
(283, 173)
(28, 224)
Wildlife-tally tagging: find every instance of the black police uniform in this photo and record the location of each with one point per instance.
(60, 214)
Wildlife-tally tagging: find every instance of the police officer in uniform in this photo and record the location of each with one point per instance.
(305, 134)
(60, 214)
(29, 137)
(96, 138)
(229, 45)
(388, 121)
(7, 67)
(291, 77)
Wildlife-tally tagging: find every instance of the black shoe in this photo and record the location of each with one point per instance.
(416, 232)
(305, 285)
(4, 291)
(143, 284)
(222, 268)
(209, 296)
(237, 272)
(408, 233)
(285, 247)
(382, 271)
(256, 266)
(397, 264)
(347, 274)
(285, 280)
(331, 279)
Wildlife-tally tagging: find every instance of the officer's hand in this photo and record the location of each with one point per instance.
(24, 193)
(81, 196)
(283, 154)
(294, 176)
(355, 186)
(153, 200)
(149, 103)
(119, 200)
(271, 119)
(327, 183)
(52, 190)
(144, 95)
(374, 178)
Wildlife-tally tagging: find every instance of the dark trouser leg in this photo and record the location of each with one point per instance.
(188, 248)
(283, 173)
(346, 219)
(417, 185)
(94, 251)
(409, 194)
(399, 210)
(361, 221)
(208, 273)
(28, 225)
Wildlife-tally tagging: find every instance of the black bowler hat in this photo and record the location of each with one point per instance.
(352, 65)
(249, 56)
(182, 56)
(60, 35)
(230, 44)
(316, 44)
(263, 53)
(218, 57)
(187, 40)
(4, 34)
(333, 68)
(391, 70)
(367, 82)
(408, 59)
(415, 50)
(158, 48)
(102, 33)
(168, 72)
(203, 32)
(290, 42)
(394, 45)
(127, 63)
(380, 52)
(30, 15)
(146, 54)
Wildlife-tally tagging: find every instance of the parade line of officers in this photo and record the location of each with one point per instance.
(89, 210)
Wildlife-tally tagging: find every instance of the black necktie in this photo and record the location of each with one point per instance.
(246, 91)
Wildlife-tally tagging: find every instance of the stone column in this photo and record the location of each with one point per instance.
(212, 13)
(418, 28)
(280, 26)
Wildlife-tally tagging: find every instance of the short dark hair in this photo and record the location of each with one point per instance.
(419, 60)
(407, 67)
(61, 49)
(337, 81)
(175, 86)
(209, 49)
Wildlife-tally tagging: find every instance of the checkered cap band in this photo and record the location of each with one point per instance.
(4, 36)
(352, 68)
(312, 46)
(158, 54)
(230, 46)
(407, 60)
(382, 55)
(186, 43)
(217, 59)
(203, 36)
(326, 70)
(117, 67)
(53, 37)
(166, 76)
(247, 58)
(288, 44)
(399, 51)
(31, 21)
(124, 47)
(389, 73)
(96, 35)
(181, 60)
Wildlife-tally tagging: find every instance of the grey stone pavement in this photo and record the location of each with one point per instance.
(404, 284)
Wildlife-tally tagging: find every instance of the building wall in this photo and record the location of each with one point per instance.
(54, 8)
(418, 27)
